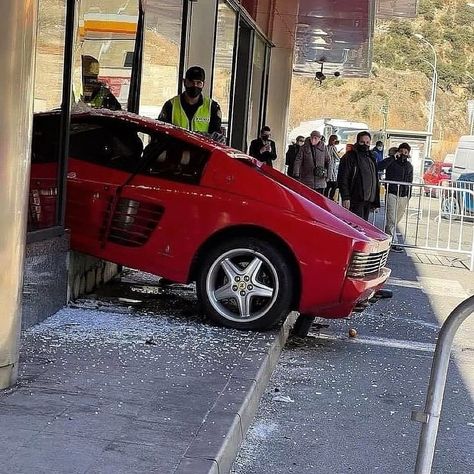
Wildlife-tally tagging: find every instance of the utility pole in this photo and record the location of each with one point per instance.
(384, 111)
(434, 87)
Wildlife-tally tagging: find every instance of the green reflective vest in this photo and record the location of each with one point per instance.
(201, 119)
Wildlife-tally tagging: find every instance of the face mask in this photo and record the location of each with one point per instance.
(362, 147)
(193, 91)
(403, 158)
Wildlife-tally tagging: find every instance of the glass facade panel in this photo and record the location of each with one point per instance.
(50, 55)
(105, 43)
(224, 58)
(256, 88)
(48, 90)
(161, 55)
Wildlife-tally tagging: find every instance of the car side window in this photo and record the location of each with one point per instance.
(174, 160)
(113, 145)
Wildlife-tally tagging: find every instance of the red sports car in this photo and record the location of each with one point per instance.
(259, 244)
(435, 175)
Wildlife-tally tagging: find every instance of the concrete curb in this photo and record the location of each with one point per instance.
(219, 438)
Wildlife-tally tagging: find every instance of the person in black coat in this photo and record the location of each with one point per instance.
(358, 179)
(263, 148)
(291, 154)
(397, 168)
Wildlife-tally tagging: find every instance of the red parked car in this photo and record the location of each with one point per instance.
(435, 175)
(259, 244)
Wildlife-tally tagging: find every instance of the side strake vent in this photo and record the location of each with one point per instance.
(364, 264)
(133, 222)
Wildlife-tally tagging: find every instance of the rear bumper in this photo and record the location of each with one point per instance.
(354, 291)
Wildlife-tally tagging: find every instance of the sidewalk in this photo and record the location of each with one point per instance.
(137, 383)
(353, 396)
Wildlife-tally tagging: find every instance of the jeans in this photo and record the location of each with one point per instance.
(395, 210)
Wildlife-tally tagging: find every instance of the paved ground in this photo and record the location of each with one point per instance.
(133, 381)
(338, 405)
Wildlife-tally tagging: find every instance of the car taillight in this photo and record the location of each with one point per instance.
(364, 264)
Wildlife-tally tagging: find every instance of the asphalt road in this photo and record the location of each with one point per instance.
(337, 404)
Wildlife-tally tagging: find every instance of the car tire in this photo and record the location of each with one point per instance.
(245, 283)
(450, 208)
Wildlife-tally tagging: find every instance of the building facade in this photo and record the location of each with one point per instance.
(249, 50)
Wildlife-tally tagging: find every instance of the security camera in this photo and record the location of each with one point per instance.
(320, 76)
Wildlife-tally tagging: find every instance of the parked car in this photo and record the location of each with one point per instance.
(464, 157)
(435, 175)
(258, 244)
(458, 201)
(427, 163)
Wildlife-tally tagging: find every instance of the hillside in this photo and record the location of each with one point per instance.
(401, 79)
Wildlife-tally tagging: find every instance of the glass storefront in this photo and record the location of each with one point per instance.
(48, 90)
(224, 58)
(104, 51)
(161, 55)
(107, 37)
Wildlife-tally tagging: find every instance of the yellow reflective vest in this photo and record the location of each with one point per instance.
(201, 119)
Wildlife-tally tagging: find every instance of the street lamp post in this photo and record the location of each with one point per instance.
(471, 114)
(434, 87)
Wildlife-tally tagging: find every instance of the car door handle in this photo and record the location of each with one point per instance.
(72, 175)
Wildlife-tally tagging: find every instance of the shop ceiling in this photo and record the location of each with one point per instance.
(338, 34)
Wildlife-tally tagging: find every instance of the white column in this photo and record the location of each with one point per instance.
(17, 36)
(281, 70)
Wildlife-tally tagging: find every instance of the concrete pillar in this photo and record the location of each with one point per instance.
(285, 15)
(202, 38)
(17, 37)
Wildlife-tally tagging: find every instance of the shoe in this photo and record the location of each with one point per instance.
(397, 248)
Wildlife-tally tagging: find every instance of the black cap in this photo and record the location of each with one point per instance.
(195, 73)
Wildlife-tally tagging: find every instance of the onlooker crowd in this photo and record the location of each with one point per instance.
(312, 162)
(356, 175)
(319, 166)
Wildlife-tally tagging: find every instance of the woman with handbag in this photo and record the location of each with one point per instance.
(311, 163)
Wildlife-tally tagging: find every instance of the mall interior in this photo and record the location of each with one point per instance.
(250, 50)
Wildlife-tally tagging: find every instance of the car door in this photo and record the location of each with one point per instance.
(160, 207)
(103, 154)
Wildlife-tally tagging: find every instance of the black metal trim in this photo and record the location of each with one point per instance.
(66, 104)
(133, 104)
(264, 95)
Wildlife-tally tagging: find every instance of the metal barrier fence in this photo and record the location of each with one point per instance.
(434, 397)
(439, 218)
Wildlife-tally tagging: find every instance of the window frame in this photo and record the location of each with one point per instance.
(171, 141)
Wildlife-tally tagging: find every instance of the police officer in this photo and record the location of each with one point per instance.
(96, 93)
(190, 109)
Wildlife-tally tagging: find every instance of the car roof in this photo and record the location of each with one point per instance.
(84, 111)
